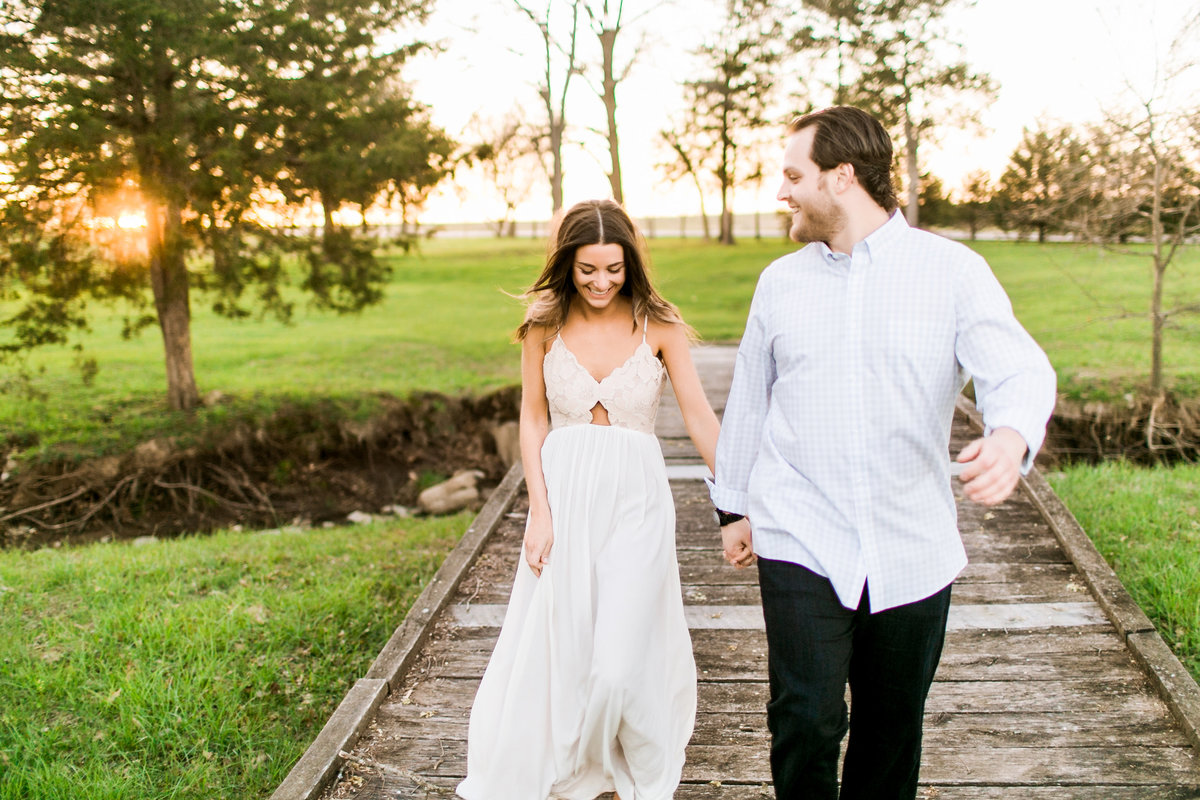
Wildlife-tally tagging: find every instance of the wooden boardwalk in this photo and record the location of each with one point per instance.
(1052, 684)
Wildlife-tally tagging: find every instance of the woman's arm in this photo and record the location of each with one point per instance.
(703, 427)
(535, 425)
(698, 416)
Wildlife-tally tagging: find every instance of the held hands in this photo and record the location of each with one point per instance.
(539, 538)
(993, 466)
(737, 544)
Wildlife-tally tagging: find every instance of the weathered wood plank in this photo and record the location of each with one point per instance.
(978, 730)
(318, 765)
(1002, 616)
(947, 765)
(741, 655)
(387, 787)
(982, 572)
(1127, 693)
(1172, 680)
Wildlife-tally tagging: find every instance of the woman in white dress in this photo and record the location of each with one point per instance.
(592, 687)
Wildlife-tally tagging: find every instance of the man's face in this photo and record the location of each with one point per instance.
(816, 214)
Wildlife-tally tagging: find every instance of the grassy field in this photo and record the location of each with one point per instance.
(198, 667)
(446, 321)
(445, 326)
(1145, 523)
(1089, 309)
(202, 667)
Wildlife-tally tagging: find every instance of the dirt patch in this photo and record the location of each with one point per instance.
(303, 465)
(1141, 429)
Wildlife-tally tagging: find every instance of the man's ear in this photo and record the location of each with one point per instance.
(843, 177)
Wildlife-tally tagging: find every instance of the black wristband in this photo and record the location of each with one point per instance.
(725, 518)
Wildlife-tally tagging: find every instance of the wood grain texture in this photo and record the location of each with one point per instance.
(1051, 713)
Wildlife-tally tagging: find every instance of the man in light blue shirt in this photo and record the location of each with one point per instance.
(834, 447)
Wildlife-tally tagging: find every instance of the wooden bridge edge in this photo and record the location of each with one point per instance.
(319, 764)
(1174, 684)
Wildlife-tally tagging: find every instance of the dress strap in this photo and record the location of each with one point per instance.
(645, 327)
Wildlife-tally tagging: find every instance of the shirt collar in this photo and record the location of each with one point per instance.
(877, 241)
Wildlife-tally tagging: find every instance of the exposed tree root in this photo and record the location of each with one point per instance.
(297, 467)
(1145, 430)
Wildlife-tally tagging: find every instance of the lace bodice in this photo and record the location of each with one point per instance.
(630, 393)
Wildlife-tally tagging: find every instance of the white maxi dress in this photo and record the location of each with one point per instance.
(592, 684)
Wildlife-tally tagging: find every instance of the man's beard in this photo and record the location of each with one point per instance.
(818, 223)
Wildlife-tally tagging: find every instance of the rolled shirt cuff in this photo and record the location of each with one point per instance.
(730, 500)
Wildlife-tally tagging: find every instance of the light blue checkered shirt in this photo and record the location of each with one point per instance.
(835, 435)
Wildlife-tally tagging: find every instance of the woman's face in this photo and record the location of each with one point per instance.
(599, 273)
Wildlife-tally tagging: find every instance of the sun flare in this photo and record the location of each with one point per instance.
(131, 219)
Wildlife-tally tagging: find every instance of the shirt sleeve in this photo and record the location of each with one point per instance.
(745, 412)
(1015, 386)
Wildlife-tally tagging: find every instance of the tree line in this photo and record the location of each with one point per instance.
(895, 58)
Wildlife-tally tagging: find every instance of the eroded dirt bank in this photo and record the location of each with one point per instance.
(1140, 429)
(307, 466)
(300, 466)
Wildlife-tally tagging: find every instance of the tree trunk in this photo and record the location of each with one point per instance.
(556, 173)
(608, 39)
(169, 281)
(1160, 267)
(330, 226)
(912, 210)
(703, 212)
(726, 176)
(1156, 343)
(726, 218)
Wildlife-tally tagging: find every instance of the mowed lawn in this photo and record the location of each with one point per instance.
(449, 312)
(202, 667)
(446, 326)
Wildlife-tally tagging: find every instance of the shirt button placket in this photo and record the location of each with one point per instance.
(860, 456)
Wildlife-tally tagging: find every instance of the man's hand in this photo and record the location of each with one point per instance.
(736, 540)
(993, 466)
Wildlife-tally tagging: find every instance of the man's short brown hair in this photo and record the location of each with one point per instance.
(849, 135)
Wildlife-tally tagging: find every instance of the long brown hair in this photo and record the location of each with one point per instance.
(593, 222)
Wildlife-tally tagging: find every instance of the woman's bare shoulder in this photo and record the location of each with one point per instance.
(666, 335)
(540, 337)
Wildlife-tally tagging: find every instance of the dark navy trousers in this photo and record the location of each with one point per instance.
(815, 646)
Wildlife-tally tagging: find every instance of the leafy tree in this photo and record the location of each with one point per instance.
(503, 151)
(680, 165)
(974, 207)
(194, 108)
(905, 69)
(1146, 180)
(555, 102)
(730, 100)
(936, 207)
(1045, 180)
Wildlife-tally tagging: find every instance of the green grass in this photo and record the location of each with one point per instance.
(1089, 309)
(1145, 523)
(446, 322)
(445, 326)
(198, 667)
